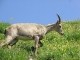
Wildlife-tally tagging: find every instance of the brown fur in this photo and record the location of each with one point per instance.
(27, 31)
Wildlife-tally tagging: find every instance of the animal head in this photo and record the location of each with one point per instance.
(58, 26)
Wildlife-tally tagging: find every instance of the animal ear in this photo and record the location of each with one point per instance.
(59, 21)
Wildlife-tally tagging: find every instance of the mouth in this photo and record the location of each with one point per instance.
(62, 33)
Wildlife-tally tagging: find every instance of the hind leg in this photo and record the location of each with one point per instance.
(13, 42)
(6, 41)
(40, 44)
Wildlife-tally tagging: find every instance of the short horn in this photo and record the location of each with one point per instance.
(59, 18)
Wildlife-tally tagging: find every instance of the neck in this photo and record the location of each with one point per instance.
(50, 27)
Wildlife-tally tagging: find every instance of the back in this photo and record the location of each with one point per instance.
(30, 29)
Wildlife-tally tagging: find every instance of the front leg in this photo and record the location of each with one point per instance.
(36, 38)
(40, 43)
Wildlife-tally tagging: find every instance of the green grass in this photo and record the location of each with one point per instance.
(55, 46)
(3, 26)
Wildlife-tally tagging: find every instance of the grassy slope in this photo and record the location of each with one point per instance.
(55, 47)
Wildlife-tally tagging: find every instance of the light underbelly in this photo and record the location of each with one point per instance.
(24, 38)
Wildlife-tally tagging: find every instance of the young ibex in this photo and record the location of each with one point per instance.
(35, 32)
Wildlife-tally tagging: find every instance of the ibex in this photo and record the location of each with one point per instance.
(27, 31)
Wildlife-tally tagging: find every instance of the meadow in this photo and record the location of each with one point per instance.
(55, 46)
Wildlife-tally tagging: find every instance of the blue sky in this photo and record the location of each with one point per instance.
(38, 11)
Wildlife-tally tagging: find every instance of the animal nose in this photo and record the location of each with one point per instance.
(62, 33)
